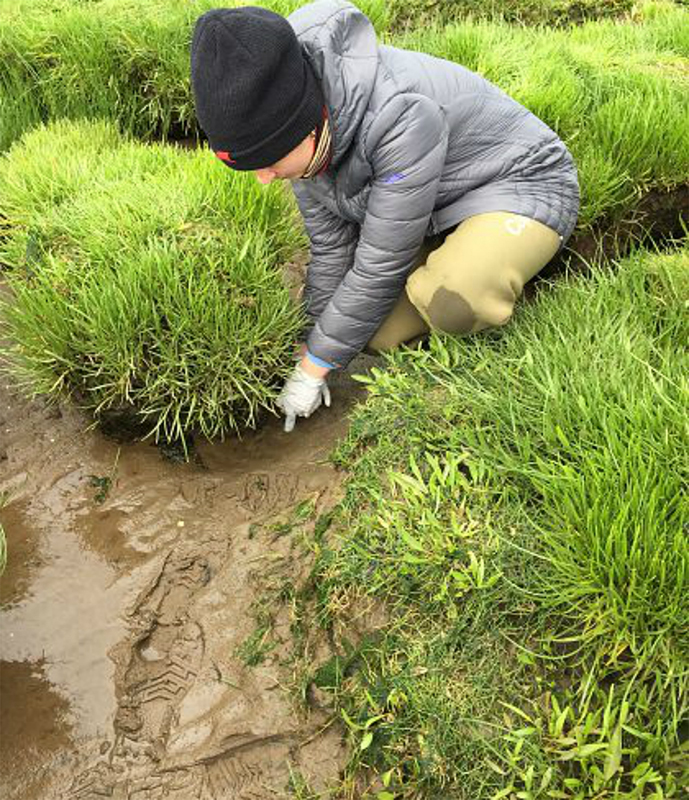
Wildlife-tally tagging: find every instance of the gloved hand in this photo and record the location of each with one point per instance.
(301, 395)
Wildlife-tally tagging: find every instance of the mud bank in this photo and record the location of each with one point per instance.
(659, 218)
(127, 599)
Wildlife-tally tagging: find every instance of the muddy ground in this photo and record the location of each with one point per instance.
(122, 617)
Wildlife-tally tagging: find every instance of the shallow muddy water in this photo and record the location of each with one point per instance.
(121, 616)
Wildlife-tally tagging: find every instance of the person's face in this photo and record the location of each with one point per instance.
(291, 166)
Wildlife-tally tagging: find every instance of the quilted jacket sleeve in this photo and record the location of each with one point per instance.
(406, 146)
(333, 243)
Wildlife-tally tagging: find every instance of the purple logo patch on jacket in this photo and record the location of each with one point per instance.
(398, 176)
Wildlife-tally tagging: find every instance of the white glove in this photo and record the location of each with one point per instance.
(301, 395)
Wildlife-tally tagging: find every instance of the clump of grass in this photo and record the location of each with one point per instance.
(107, 59)
(517, 502)
(615, 92)
(409, 14)
(145, 277)
(113, 59)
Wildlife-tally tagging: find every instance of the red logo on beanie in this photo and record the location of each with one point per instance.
(225, 156)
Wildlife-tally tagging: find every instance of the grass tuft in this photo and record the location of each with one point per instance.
(145, 277)
(517, 502)
(615, 89)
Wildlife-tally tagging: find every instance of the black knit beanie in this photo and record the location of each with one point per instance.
(255, 93)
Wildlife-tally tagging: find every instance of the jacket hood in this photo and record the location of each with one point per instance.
(340, 43)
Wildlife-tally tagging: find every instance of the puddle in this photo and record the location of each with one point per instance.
(120, 613)
(67, 615)
(23, 544)
(35, 724)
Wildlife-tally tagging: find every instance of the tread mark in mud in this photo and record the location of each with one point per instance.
(178, 579)
(168, 680)
(176, 679)
(176, 785)
(234, 779)
(235, 776)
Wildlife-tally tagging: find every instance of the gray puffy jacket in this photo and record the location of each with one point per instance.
(419, 144)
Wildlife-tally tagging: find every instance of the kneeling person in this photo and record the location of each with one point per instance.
(429, 195)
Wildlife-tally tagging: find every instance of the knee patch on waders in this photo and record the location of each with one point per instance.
(449, 312)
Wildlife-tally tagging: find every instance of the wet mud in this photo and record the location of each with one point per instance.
(660, 219)
(128, 598)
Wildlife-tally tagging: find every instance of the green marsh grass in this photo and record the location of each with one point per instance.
(517, 501)
(409, 14)
(145, 277)
(615, 91)
(115, 59)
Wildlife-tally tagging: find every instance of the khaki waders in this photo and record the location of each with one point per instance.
(469, 279)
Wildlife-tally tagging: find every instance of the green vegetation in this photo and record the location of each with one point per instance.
(617, 94)
(104, 483)
(114, 59)
(615, 91)
(118, 60)
(145, 277)
(410, 14)
(516, 509)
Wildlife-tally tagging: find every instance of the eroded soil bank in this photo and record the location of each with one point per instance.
(121, 618)
(660, 219)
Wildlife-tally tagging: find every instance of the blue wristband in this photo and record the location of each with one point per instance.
(319, 361)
